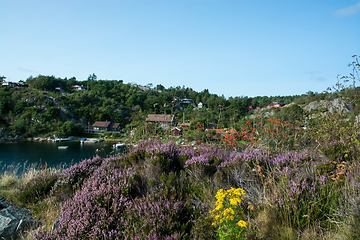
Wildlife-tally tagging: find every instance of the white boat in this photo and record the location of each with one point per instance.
(84, 140)
(61, 139)
(118, 145)
(62, 147)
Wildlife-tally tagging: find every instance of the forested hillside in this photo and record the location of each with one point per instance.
(50, 106)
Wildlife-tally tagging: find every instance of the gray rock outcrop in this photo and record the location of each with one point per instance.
(336, 105)
(14, 220)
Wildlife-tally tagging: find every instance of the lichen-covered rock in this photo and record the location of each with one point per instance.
(14, 220)
(336, 105)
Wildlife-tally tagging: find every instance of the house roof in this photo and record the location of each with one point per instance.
(114, 125)
(184, 124)
(101, 124)
(159, 118)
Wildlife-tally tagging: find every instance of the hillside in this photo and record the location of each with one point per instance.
(54, 106)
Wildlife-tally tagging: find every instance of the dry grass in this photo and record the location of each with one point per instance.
(13, 176)
(49, 213)
(8, 180)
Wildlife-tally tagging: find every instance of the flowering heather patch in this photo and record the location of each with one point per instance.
(204, 161)
(251, 157)
(104, 208)
(73, 176)
(156, 217)
(198, 166)
(94, 211)
(197, 160)
(138, 153)
(303, 192)
(155, 162)
(206, 155)
(186, 153)
(168, 150)
(166, 154)
(212, 153)
(290, 161)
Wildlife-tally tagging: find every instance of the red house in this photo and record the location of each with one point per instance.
(276, 105)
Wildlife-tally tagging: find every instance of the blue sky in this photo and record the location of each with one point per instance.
(231, 47)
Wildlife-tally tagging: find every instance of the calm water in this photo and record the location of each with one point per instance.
(47, 152)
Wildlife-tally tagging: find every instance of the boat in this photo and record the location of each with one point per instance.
(119, 145)
(85, 140)
(61, 139)
(62, 147)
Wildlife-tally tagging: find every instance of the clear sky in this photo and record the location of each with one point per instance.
(231, 47)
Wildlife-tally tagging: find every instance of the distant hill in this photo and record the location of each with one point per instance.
(53, 105)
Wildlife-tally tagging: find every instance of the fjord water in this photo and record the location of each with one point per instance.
(14, 153)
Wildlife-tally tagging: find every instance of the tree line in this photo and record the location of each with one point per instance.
(50, 105)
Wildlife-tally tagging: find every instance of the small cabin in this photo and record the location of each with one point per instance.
(164, 119)
(101, 126)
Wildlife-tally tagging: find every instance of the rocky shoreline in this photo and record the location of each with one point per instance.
(49, 139)
(14, 220)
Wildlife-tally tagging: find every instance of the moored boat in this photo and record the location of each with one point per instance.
(118, 145)
(85, 140)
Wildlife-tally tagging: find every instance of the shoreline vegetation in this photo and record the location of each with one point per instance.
(285, 195)
(285, 173)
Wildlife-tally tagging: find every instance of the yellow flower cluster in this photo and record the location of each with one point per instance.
(226, 201)
(242, 223)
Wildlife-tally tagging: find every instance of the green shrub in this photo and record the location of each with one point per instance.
(37, 189)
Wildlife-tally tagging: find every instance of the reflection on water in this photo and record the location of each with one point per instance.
(49, 153)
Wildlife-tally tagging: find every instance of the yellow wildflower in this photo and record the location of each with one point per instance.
(231, 217)
(241, 223)
(229, 211)
(219, 207)
(235, 200)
